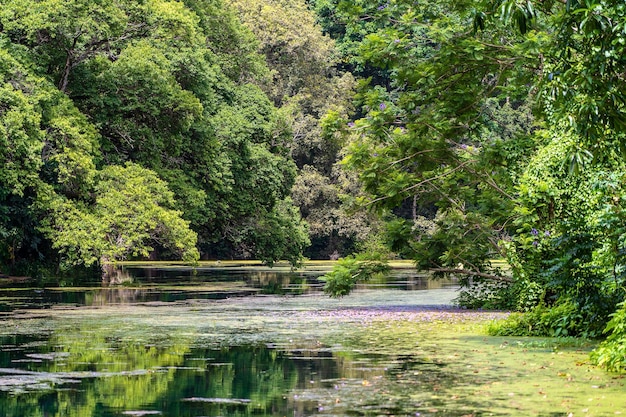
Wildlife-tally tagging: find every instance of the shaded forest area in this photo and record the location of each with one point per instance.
(483, 139)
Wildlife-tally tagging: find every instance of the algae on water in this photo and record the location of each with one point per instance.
(377, 352)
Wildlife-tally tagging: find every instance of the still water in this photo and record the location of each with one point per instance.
(172, 341)
(249, 341)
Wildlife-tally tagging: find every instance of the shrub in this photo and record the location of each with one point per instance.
(351, 270)
(560, 320)
(611, 354)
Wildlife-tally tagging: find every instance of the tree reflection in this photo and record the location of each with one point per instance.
(96, 374)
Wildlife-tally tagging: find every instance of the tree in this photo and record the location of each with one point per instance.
(44, 140)
(312, 95)
(165, 85)
(333, 228)
(570, 236)
(445, 129)
(280, 234)
(63, 36)
(130, 216)
(448, 124)
(21, 139)
(299, 56)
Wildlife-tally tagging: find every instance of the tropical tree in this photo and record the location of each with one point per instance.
(45, 141)
(502, 124)
(167, 86)
(445, 130)
(313, 95)
(131, 215)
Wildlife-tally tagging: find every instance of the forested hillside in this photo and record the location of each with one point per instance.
(132, 129)
(314, 94)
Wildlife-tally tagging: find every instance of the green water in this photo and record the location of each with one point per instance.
(225, 344)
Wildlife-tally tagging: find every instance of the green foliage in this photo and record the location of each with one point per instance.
(44, 140)
(141, 108)
(587, 87)
(280, 235)
(353, 269)
(486, 294)
(299, 56)
(332, 227)
(561, 320)
(88, 87)
(473, 167)
(314, 100)
(568, 232)
(234, 46)
(443, 134)
(131, 214)
(21, 139)
(611, 354)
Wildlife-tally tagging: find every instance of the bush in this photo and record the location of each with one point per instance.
(611, 354)
(560, 320)
(522, 295)
(481, 294)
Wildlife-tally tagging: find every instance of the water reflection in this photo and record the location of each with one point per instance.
(166, 348)
(77, 377)
(175, 283)
(87, 352)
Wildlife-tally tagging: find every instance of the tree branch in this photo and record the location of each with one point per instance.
(492, 277)
(426, 181)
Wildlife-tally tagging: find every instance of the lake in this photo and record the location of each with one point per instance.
(244, 340)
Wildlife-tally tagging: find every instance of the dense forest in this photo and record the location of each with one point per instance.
(170, 130)
(484, 139)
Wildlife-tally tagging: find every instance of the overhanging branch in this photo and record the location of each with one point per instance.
(485, 275)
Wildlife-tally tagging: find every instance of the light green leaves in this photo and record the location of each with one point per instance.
(131, 216)
(21, 140)
(350, 270)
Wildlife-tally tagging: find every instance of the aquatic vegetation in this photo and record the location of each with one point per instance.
(377, 352)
